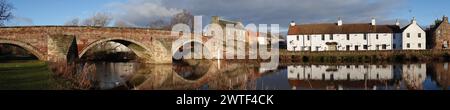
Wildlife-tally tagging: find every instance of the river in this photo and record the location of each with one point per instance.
(212, 75)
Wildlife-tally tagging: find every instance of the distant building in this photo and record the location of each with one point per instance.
(342, 37)
(237, 28)
(413, 37)
(439, 35)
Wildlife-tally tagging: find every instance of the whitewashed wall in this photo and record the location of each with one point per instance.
(315, 43)
(414, 39)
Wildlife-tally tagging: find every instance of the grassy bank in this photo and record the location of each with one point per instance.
(25, 75)
(365, 56)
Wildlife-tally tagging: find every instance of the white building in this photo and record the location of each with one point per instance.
(413, 37)
(342, 37)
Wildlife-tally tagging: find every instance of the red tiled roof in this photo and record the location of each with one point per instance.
(333, 28)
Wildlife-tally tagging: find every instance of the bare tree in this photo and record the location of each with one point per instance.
(73, 22)
(5, 12)
(121, 23)
(184, 17)
(98, 19)
(159, 23)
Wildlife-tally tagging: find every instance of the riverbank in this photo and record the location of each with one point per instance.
(364, 56)
(25, 75)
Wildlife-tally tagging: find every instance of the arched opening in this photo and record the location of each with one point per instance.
(191, 68)
(21, 69)
(190, 52)
(113, 49)
(116, 61)
(15, 50)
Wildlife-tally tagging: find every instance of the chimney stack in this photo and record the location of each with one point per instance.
(445, 19)
(413, 21)
(373, 22)
(292, 23)
(215, 19)
(339, 23)
(397, 22)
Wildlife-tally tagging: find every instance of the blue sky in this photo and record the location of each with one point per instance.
(56, 12)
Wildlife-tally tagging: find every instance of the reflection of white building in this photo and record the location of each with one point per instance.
(357, 76)
(414, 75)
(347, 72)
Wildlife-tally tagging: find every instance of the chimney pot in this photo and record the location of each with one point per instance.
(373, 22)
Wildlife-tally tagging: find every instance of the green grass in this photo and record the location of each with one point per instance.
(25, 75)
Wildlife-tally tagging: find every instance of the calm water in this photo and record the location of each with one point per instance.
(235, 76)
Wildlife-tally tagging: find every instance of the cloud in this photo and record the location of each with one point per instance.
(264, 11)
(141, 12)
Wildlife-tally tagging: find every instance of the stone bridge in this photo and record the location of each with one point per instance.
(51, 43)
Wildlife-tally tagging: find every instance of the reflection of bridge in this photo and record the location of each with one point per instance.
(234, 76)
(50, 43)
(355, 76)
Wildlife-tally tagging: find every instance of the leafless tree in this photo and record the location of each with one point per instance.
(159, 23)
(73, 22)
(184, 17)
(98, 19)
(121, 23)
(5, 11)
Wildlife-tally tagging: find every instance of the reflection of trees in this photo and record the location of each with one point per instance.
(442, 75)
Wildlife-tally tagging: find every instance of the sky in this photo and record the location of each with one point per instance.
(141, 12)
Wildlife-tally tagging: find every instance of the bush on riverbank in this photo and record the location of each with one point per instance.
(71, 77)
(365, 56)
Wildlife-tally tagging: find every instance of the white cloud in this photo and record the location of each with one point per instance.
(140, 12)
(262, 11)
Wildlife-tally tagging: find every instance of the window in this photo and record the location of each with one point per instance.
(377, 37)
(445, 45)
(323, 37)
(408, 45)
(408, 35)
(307, 37)
(365, 47)
(348, 37)
(298, 37)
(419, 45)
(394, 46)
(365, 36)
(384, 46)
(331, 37)
(348, 47)
(420, 35)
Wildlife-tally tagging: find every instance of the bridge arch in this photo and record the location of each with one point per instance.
(123, 41)
(186, 43)
(27, 47)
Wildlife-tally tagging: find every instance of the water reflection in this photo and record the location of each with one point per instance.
(356, 76)
(239, 76)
